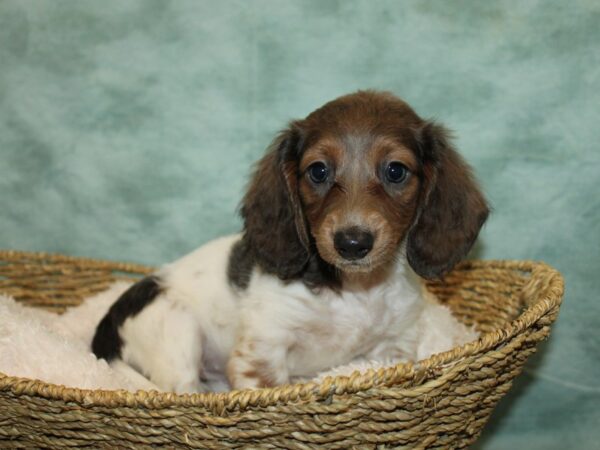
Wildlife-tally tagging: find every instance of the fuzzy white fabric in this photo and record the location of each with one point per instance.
(41, 345)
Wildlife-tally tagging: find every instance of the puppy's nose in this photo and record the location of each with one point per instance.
(353, 243)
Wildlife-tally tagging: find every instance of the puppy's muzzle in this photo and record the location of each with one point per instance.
(353, 243)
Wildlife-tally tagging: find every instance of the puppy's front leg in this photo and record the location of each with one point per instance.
(256, 363)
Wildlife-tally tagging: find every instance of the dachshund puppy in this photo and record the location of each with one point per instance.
(345, 213)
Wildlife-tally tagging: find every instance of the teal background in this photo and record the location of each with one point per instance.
(128, 128)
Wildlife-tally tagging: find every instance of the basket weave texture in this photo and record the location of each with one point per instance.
(441, 402)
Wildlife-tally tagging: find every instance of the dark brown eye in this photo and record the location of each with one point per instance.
(396, 172)
(318, 172)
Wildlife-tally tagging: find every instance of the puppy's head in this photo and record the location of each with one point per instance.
(346, 186)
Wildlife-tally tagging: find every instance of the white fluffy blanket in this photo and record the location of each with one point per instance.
(56, 349)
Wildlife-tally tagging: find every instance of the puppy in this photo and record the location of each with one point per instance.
(345, 213)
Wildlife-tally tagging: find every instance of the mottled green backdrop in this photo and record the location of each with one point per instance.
(127, 130)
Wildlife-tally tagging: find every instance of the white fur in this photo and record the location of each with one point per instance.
(41, 345)
(437, 331)
(195, 326)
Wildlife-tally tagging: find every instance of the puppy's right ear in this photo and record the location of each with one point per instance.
(452, 210)
(275, 228)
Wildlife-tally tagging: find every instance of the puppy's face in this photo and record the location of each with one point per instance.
(359, 183)
(356, 179)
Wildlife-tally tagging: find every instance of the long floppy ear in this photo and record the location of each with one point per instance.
(274, 225)
(452, 207)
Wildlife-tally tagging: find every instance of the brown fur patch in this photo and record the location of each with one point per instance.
(290, 221)
(358, 194)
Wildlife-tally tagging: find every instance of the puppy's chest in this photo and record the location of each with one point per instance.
(343, 327)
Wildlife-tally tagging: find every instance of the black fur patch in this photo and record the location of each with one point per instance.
(317, 273)
(107, 342)
(240, 264)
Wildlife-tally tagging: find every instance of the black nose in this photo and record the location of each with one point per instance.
(353, 243)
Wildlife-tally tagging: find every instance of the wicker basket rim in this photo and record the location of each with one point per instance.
(356, 382)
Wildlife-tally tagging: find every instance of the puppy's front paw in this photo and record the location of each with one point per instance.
(249, 369)
(247, 373)
(190, 387)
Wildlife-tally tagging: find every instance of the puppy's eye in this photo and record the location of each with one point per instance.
(318, 172)
(396, 172)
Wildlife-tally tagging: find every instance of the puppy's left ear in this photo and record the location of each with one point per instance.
(452, 208)
(274, 224)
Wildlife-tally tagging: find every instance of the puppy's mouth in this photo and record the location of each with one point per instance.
(361, 266)
(370, 263)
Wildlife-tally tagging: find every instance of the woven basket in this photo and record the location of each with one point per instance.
(441, 402)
